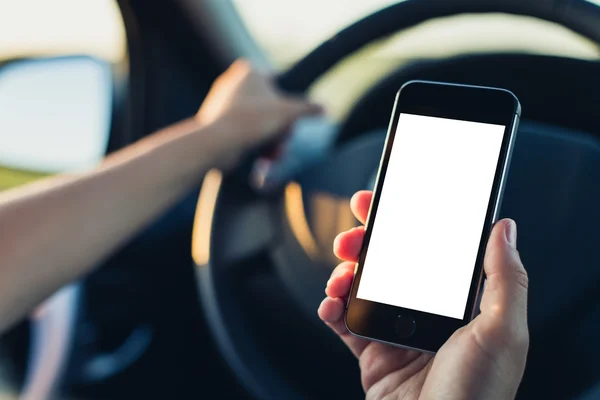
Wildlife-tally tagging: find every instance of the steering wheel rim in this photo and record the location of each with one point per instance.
(579, 16)
(215, 291)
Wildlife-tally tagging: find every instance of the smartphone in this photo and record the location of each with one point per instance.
(419, 275)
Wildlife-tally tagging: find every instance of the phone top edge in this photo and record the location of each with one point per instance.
(457, 101)
(463, 85)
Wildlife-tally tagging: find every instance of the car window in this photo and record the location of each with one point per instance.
(287, 30)
(56, 84)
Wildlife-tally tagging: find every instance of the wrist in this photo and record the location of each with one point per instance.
(223, 138)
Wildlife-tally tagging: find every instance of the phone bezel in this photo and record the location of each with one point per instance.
(376, 321)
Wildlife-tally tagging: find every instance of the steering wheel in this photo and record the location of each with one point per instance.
(262, 261)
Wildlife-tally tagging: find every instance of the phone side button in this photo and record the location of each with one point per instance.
(405, 326)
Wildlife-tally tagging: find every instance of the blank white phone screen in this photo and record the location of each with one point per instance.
(431, 214)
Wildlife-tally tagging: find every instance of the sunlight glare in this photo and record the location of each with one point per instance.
(58, 27)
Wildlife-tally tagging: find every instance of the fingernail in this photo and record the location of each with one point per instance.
(510, 230)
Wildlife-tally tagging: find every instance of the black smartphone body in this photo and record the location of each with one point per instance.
(419, 276)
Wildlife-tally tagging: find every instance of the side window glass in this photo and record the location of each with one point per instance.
(56, 85)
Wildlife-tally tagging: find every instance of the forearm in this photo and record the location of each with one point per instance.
(58, 229)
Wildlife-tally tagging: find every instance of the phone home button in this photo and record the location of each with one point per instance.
(405, 326)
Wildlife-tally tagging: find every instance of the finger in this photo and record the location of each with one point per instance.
(331, 311)
(347, 245)
(360, 205)
(241, 64)
(504, 302)
(239, 68)
(507, 283)
(300, 107)
(341, 280)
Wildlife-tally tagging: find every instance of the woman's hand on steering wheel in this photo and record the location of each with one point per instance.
(249, 109)
(483, 360)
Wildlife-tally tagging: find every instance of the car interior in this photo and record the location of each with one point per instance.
(218, 297)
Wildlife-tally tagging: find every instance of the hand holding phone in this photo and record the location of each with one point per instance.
(415, 276)
(483, 360)
(438, 193)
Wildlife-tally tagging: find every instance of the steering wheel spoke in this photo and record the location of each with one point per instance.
(232, 224)
(244, 232)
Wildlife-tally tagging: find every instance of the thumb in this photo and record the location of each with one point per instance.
(504, 302)
(298, 107)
